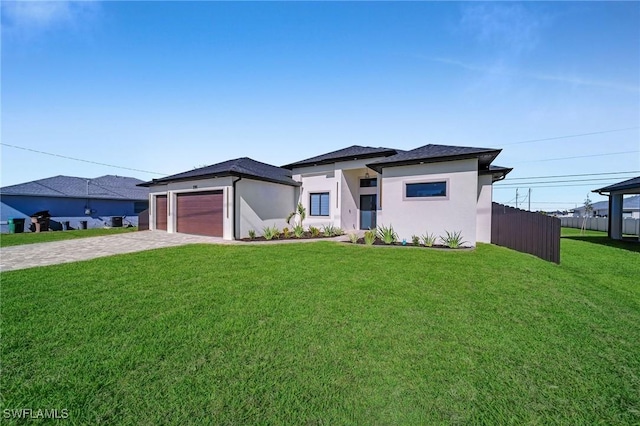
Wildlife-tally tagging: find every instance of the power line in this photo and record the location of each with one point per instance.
(546, 186)
(569, 136)
(579, 156)
(80, 159)
(554, 181)
(584, 174)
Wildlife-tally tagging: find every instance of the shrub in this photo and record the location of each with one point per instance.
(331, 231)
(369, 237)
(298, 231)
(286, 233)
(353, 237)
(252, 234)
(428, 240)
(415, 240)
(387, 234)
(270, 232)
(453, 240)
(315, 232)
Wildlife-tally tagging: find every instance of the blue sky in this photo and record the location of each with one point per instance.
(168, 86)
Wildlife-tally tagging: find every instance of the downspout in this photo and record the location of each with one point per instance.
(234, 206)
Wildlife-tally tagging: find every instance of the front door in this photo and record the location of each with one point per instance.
(368, 207)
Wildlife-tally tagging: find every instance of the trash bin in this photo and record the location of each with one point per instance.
(16, 226)
(116, 221)
(83, 224)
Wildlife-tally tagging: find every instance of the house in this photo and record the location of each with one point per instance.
(433, 188)
(616, 209)
(630, 208)
(81, 202)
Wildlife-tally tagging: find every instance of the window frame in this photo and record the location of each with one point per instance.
(370, 179)
(447, 188)
(320, 194)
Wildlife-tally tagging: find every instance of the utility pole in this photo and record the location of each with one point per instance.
(529, 198)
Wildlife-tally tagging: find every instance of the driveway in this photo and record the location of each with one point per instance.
(43, 254)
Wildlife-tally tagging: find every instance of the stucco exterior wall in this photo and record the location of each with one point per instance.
(318, 179)
(483, 215)
(65, 210)
(263, 204)
(416, 216)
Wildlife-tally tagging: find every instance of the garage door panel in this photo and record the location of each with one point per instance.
(161, 212)
(200, 213)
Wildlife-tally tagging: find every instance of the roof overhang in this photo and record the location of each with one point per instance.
(155, 182)
(484, 160)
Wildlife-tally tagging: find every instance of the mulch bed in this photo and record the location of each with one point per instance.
(305, 236)
(379, 242)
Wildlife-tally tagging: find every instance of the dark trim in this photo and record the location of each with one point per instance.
(303, 163)
(216, 175)
(609, 215)
(409, 162)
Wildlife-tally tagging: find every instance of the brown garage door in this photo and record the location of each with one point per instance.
(161, 212)
(200, 213)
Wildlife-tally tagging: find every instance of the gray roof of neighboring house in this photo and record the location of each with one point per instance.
(436, 153)
(241, 167)
(633, 183)
(108, 187)
(346, 154)
(630, 203)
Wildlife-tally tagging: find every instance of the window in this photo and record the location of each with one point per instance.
(140, 206)
(426, 189)
(368, 182)
(319, 204)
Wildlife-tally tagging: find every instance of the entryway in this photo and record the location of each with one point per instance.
(368, 208)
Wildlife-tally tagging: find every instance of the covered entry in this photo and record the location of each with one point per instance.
(616, 193)
(200, 213)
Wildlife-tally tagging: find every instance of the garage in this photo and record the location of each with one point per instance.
(161, 212)
(200, 213)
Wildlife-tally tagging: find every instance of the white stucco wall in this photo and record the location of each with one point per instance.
(316, 179)
(483, 215)
(416, 216)
(263, 204)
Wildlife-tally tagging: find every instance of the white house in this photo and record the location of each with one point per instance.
(630, 208)
(434, 188)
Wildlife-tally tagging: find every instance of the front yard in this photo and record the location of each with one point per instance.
(328, 333)
(7, 240)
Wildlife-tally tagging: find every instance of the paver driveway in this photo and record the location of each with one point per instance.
(43, 254)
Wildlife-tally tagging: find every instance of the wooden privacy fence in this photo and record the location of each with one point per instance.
(143, 220)
(526, 232)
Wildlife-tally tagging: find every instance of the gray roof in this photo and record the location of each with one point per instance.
(244, 167)
(436, 153)
(109, 187)
(631, 184)
(346, 154)
(630, 203)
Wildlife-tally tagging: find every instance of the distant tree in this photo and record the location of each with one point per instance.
(588, 209)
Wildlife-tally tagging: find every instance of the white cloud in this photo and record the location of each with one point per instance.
(573, 80)
(27, 17)
(506, 26)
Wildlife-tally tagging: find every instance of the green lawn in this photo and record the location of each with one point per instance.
(7, 240)
(329, 333)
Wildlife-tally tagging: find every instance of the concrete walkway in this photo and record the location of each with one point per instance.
(53, 253)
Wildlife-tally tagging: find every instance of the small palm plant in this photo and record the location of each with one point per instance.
(387, 234)
(252, 234)
(353, 237)
(300, 212)
(270, 232)
(415, 240)
(315, 232)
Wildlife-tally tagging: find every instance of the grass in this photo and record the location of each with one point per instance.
(328, 333)
(7, 240)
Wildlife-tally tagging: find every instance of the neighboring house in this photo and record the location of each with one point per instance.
(630, 208)
(434, 188)
(75, 200)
